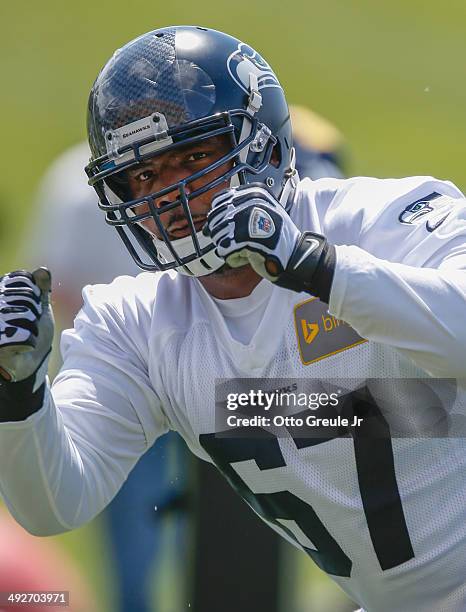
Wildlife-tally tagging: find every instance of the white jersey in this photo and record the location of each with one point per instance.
(386, 518)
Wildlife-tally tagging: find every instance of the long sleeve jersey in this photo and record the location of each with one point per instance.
(152, 353)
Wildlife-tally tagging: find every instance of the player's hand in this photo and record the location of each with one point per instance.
(249, 226)
(26, 325)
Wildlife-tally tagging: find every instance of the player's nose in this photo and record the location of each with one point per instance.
(172, 175)
(173, 195)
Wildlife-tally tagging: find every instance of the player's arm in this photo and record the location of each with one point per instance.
(419, 310)
(65, 454)
(402, 282)
(417, 307)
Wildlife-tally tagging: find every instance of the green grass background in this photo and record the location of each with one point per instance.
(389, 73)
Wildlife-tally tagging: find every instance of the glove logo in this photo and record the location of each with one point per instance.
(261, 224)
(313, 245)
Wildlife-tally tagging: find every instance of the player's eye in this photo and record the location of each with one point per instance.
(144, 175)
(197, 155)
(141, 175)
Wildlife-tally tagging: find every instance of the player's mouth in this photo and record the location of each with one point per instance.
(180, 228)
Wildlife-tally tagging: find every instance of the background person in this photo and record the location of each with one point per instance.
(320, 146)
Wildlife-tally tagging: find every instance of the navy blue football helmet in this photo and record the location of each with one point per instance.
(170, 88)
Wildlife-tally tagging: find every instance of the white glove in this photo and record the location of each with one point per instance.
(249, 226)
(26, 325)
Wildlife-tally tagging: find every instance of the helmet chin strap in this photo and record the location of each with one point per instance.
(255, 102)
(292, 180)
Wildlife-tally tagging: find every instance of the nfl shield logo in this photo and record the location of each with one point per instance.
(264, 224)
(260, 224)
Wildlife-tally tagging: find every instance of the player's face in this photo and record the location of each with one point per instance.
(171, 167)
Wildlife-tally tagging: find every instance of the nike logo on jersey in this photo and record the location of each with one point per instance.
(433, 224)
(445, 204)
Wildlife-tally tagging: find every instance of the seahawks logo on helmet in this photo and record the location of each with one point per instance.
(245, 60)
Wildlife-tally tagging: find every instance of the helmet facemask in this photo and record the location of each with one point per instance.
(193, 254)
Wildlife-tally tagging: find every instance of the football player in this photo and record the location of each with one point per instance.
(267, 278)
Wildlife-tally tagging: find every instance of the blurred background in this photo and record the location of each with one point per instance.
(389, 75)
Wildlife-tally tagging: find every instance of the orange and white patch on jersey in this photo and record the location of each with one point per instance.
(319, 334)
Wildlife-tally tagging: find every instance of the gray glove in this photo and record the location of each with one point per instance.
(26, 326)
